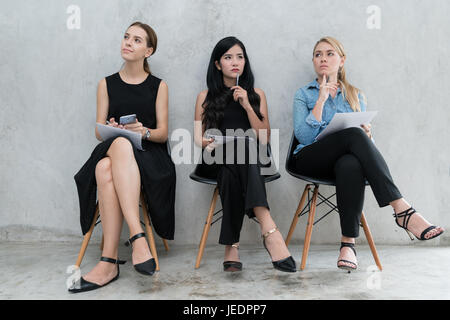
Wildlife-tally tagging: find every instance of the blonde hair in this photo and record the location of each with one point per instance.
(350, 92)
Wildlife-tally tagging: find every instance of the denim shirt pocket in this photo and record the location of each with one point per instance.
(310, 104)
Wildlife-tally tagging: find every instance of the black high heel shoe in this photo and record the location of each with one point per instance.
(84, 285)
(344, 267)
(232, 266)
(147, 267)
(407, 215)
(286, 264)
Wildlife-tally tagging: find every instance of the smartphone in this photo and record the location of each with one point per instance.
(131, 118)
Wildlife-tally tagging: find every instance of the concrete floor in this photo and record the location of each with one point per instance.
(38, 271)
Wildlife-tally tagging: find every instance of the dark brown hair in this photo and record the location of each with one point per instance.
(152, 40)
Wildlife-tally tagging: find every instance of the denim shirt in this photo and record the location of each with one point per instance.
(306, 126)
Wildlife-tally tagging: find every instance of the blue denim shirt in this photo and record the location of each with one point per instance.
(306, 126)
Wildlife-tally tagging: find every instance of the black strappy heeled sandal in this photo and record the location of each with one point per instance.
(286, 264)
(344, 267)
(407, 215)
(83, 285)
(147, 267)
(232, 266)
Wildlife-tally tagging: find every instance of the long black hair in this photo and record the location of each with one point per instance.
(218, 94)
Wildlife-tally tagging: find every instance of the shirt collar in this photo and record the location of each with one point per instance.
(313, 84)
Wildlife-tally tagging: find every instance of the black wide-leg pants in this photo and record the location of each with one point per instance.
(349, 157)
(241, 188)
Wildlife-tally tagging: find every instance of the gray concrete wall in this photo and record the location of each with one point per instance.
(49, 75)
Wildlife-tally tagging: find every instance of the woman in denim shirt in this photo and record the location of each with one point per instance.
(348, 156)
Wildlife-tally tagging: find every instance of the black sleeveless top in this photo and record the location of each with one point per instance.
(139, 99)
(235, 117)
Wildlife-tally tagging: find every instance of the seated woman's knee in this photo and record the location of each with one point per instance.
(122, 145)
(354, 131)
(348, 164)
(103, 172)
(355, 135)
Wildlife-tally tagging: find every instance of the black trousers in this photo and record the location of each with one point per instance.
(241, 188)
(349, 157)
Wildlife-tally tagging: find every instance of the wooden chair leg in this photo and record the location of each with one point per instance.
(370, 241)
(295, 220)
(206, 228)
(309, 228)
(86, 238)
(166, 245)
(149, 231)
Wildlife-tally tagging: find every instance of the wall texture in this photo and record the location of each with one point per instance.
(49, 74)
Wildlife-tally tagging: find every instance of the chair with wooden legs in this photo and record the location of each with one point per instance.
(311, 205)
(209, 219)
(146, 223)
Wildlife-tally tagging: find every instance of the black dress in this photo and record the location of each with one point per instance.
(241, 185)
(156, 168)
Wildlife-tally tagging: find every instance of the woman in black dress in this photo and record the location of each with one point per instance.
(227, 106)
(119, 170)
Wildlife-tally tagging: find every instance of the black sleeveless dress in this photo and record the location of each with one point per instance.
(241, 185)
(157, 171)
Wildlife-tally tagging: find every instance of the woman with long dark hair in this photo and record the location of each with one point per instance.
(232, 103)
(119, 171)
(348, 156)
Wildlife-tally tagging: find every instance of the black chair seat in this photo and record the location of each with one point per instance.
(316, 181)
(210, 181)
(313, 180)
(200, 179)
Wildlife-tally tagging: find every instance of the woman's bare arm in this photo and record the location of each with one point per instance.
(102, 105)
(199, 128)
(160, 134)
(258, 124)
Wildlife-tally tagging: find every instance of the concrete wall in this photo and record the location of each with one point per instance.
(49, 75)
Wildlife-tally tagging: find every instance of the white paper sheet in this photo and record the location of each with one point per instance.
(346, 120)
(107, 132)
(225, 139)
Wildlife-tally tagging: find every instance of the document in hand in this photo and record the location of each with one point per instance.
(346, 120)
(226, 139)
(107, 132)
